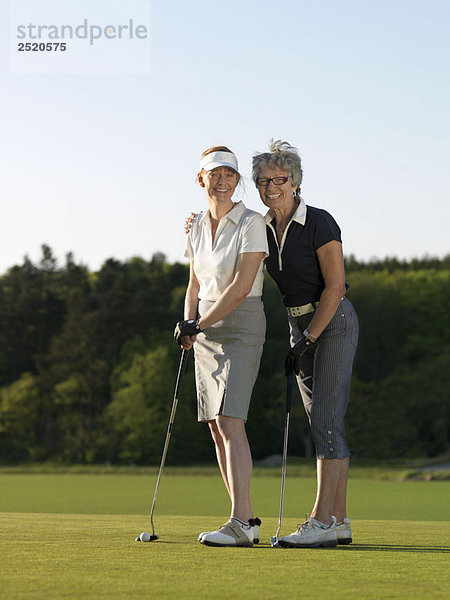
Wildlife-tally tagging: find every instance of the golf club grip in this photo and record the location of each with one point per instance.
(290, 380)
(181, 370)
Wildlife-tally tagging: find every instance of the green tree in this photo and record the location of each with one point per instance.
(141, 406)
(20, 408)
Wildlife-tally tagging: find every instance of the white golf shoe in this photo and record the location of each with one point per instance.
(311, 534)
(344, 532)
(233, 533)
(255, 523)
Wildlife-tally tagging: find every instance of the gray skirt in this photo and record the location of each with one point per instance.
(227, 357)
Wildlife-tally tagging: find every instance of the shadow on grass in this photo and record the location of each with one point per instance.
(373, 548)
(159, 542)
(340, 548)
(397, 548)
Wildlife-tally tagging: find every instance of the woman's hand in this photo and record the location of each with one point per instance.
(187, 342)
(185, 330)
(188, 222)
(293, 358)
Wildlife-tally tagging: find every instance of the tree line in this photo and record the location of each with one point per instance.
(88, 364)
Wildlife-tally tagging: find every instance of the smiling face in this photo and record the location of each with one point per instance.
(220, 184)
(276, 197)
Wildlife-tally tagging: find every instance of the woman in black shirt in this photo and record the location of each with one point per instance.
(306, 262)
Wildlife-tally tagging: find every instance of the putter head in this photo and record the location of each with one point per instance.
(274, 541)
(153, 537)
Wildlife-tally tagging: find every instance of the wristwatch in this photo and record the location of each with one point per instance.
(309, 337)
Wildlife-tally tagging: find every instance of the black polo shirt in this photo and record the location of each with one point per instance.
(295, 267)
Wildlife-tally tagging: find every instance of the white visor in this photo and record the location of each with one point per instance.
(219, 159)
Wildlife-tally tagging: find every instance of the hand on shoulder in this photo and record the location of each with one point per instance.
(188, 222)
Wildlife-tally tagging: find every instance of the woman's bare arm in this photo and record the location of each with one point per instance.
(247, 268)
(331, 261)
(190, 306)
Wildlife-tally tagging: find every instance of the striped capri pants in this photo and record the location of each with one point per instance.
(324, 379)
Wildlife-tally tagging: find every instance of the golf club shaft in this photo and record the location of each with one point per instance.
(285, 448)
(181, 370)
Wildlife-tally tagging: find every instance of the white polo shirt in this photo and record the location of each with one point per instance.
(239, 231)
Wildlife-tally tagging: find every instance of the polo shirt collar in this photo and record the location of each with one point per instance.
(234, 215)
(299, 216)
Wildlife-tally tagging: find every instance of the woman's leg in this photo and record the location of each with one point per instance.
(235, 462)
(324, 384)
(331, 495)
(220, 453)
(238, 465)
(340, 498)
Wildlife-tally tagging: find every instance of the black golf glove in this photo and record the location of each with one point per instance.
(292, 362)
(183, 328)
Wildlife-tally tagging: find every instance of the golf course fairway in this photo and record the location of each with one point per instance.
(72, 536)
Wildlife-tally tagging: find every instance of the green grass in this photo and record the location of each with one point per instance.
(72, 536)
(205, 495)
(95, 556)
(387, 470)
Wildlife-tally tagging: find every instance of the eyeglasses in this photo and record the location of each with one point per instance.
(276, 180)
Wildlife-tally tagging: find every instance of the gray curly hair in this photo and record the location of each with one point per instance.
(282, 155)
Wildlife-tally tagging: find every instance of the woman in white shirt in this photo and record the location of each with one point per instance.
(225, 323)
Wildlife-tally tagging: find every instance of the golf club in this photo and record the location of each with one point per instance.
(274, 539)
(181, 370)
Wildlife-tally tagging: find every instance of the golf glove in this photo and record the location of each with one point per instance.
(183, 328)
(292, 362)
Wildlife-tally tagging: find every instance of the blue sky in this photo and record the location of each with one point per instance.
(104, 165)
